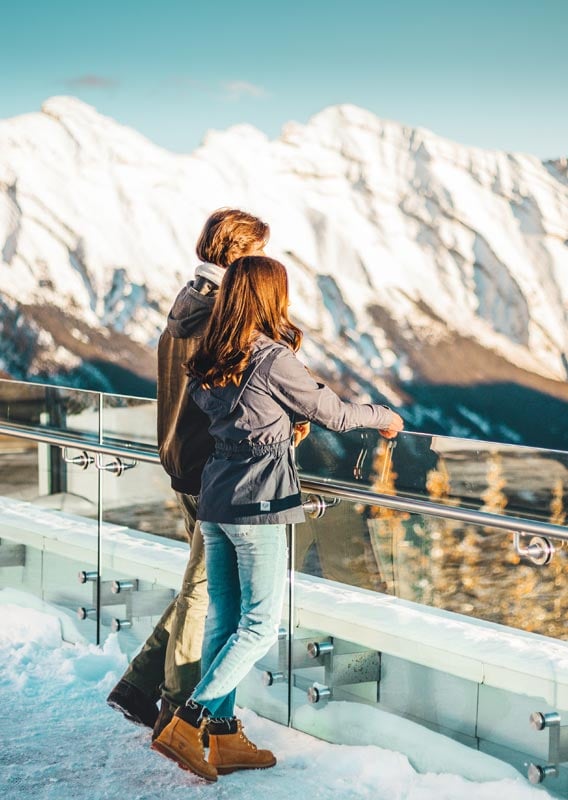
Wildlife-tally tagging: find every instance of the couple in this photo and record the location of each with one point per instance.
(227, 363)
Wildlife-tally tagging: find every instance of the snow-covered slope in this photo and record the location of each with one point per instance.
(412, 259)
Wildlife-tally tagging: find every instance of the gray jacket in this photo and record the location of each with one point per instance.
(251, 476)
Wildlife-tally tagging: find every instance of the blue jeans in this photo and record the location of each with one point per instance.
(246, 572)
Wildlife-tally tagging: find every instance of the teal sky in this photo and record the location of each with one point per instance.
(492, 74)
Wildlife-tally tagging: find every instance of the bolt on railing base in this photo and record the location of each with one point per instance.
(557, 745)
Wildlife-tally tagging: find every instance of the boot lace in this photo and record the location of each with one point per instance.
(246, 740)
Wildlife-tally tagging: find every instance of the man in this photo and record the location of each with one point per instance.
(168, 665)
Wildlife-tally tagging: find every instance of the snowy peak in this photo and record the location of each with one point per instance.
(66, 107)
(95, 134)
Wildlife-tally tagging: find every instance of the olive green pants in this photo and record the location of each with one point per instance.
(169, 663)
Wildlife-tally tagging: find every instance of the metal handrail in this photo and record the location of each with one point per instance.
(78, 442)
(313, 484)
(484, 518)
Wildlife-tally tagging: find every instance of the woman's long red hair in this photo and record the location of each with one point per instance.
(252, 298)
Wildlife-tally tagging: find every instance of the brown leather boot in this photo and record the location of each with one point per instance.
(230, 750)
(167, 711)
(182, 741)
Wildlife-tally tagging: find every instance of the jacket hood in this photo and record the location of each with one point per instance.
(226, 398)
(188, 312)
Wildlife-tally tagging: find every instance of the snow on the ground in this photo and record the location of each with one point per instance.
(60, 741)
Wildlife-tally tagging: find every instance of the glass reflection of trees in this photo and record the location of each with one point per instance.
(462, 567)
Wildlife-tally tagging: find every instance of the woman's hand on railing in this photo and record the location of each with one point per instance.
(396, 425)
(301, 430)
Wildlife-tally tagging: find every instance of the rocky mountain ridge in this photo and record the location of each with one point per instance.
(414, 262)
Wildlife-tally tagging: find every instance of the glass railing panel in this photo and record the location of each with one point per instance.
(463, 568)
(129, 421)
(398, 613)
(138, 511)
(144, 548)
(49, 532)
(509, 480)
(339, 548)
(52, 409)
(332, 556)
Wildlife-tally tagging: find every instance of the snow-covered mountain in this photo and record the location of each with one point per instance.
(414, 261)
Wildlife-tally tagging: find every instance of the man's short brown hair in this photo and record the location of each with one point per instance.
(229, 234)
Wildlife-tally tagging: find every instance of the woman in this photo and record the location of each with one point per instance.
(169, 662)
(246, 378)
